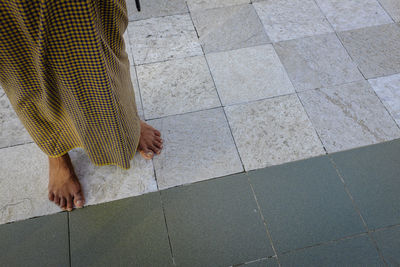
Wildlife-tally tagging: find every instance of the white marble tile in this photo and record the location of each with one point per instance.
(155, 8)
(107, 183)
(24, 181)
(207, 4)
(273, 131)
(2, 91)
(348, 15)
(291, 19)
(248, 74)
(349, 116)
(375, 49)
(317, 61)
(136, 89)
(128, 47)
(176, 86)
(392, 7)
(229, 28)
(197, 146)
(12, 131)
(159, 39)
(388, 90)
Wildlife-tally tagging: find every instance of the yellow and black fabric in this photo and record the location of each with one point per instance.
(64, 68)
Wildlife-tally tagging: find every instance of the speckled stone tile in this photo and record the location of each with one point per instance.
(273, 131)
(197, 146)
(138, 98)
(155, 8)
(317, 61)
(159, 39)
(128, 48)
(176, 86)
(12, 131)
(229, 28)
(349, 15)
(392, 7)
(291, 19)
(207, 4)
(23, 184)
(248, 74)
(388, 90)
(2, 91)
(108, 183)
(349, 116)
(375, 49)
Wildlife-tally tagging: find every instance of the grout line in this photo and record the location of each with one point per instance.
(162, 16)
(357, 209)
(166, 225)
(69, 241)
(264, 221)
(20, 144)
(387, 13)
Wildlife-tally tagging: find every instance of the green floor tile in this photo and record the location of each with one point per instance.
(127, 232)
(215, 223)
(41, 241)
(389, 244)
(372, 175)
(358, 251)
(304, 203)
(270, 262)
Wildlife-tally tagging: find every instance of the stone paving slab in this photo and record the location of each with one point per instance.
(155, 8)
(392, 7)
(388, 241)
(208, 4)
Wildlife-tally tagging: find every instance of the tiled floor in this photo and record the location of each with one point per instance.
(241, 88)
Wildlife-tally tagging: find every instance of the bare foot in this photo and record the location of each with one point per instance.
(64, 187)
(150, 141)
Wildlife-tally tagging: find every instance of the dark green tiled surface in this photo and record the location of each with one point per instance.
(270, 262)
(304, 203)
(372, 175)
(389, 243)
(358, 251)
(215, 223)
(127, 232)
(41, 241)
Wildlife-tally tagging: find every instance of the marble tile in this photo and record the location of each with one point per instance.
(273, 131)
(229, 28)
(348, 15)
(197, 146)
(159, 39)
(349, 116)
(317, 61)
(128, 47)
(155, 8)
(136, 89)
(375, 49)
(2, 91)
(291, 19)
(207, 4)
(247, 74)
(392, 7)
(176, 86)
(388, 90)
(24, 180)
(12, 131)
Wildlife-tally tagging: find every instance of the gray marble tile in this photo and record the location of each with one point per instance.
(375, 49)
(197, 146)
(349, 15)
(24, 180)
(349, 116)
(12, 131)
(176, 86)
(291, 19)
(207, 4)
(247, 74)
(229, 28)
(273, 131)
(388, 90)
(2, 91)
(159, 39)
(107, 183)
(392, 7)
(317, 61)
(138, 99)
(155, 8)
(128, 47)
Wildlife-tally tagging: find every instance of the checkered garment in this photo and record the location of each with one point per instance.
(64, 68)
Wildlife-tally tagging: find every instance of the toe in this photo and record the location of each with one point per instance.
(147, 154)
(79, 200)
(70, 204)
(157, 133)
(51, 196)
(157, 138)
(56, 200)
(155, 149)
(157, 144)
(63, 202)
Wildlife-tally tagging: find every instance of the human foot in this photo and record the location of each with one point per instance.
(150, 141)
(64, 187)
